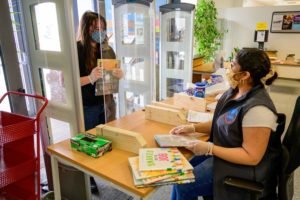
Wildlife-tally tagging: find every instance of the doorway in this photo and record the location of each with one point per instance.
(37, 57)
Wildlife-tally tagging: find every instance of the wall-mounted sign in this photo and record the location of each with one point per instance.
(261, 26)
(285, 22)
(261, 36)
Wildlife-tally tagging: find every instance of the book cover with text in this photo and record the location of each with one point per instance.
(161, 159)
(108, 84)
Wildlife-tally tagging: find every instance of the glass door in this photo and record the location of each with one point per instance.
(51, 43)
(52, 54)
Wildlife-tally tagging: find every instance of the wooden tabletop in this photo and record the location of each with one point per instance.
(114, 166)
(204, 68)
(295, 64)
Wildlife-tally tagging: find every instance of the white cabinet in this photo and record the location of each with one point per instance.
(291, 71)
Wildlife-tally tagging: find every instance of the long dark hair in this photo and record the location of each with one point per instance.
(257, 63)
(84, 37)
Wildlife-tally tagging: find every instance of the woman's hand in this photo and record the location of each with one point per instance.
(183, 129)
(118, 73)
(95, 74)
(201, 148)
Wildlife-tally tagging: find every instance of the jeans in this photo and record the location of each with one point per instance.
(93, 116)
(203, 185)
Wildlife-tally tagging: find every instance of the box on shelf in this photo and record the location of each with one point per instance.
(92, 145)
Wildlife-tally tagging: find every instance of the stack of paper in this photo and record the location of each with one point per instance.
(160, 166)
(168, 140)
(202, 117)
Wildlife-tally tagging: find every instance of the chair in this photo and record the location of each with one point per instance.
(290, 160)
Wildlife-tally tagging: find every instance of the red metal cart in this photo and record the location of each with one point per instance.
(20, 153)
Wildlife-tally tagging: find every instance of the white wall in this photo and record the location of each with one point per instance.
(241, 24)
(228, 3)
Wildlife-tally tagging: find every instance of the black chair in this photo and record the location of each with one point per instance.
(290, 160)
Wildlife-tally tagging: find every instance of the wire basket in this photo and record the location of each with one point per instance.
(20, 152)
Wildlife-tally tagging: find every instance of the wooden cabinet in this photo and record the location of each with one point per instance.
(202, 71)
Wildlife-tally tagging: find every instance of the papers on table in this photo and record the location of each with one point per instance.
(211, 106)
(168, 140)
(194, 116)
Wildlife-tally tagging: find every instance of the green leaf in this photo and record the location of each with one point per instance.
(206, 34)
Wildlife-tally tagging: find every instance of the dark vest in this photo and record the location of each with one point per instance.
(227, 132)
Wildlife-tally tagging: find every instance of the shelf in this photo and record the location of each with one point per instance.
(16, 192)
(15, 166)
(15, 127)
(19, 154)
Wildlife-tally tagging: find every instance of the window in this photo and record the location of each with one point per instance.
(45, 18)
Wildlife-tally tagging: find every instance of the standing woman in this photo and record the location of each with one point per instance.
(92, 44)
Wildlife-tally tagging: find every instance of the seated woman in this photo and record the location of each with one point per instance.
(242, 143)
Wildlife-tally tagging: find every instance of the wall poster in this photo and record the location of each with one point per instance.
(285, 22)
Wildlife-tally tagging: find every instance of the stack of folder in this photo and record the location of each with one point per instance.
(160, 166)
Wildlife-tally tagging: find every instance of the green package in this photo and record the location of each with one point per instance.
(90, 144)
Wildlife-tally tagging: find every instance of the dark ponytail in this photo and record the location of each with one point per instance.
(270, 80)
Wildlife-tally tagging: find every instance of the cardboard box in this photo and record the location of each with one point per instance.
(92, 145)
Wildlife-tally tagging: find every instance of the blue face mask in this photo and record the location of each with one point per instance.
(99, 36)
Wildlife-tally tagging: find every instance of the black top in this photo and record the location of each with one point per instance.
(88, 91)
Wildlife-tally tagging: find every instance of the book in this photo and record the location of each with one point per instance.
(139, 183)
(134, 164)
(159, 177)
(108, 84)
(181, 179)
(168, 140)
(151, 159)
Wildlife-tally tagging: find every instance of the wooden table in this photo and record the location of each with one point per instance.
(113, 167)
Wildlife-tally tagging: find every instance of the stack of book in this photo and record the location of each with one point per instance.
(160, 166)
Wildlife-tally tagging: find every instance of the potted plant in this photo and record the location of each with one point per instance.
(206, 33)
